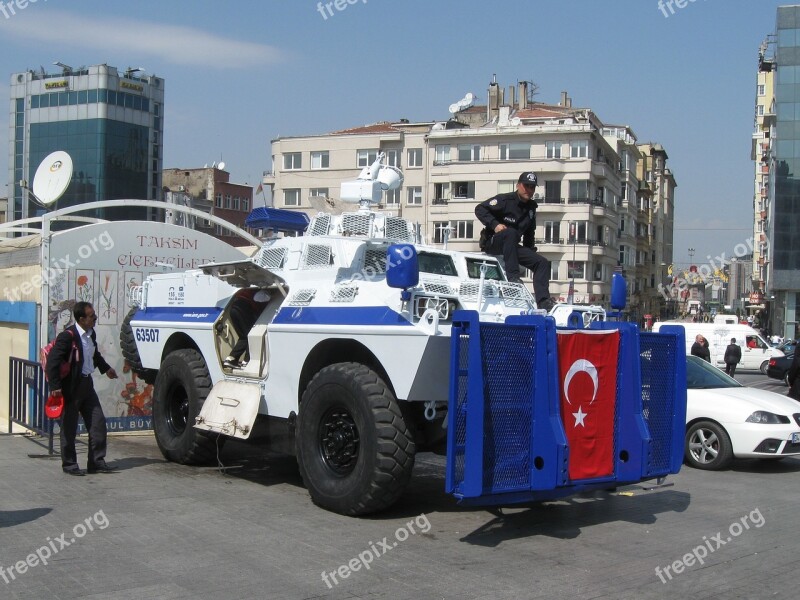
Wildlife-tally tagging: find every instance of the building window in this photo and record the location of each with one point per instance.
(760, 110)
(393, 158)
(552, 232)
(320, 160)
(515, 151)
(554, 270)
(391, 197)
(463, 189)
(440, 231)
(506, 186)
(576, 269)
(246, 204)
(415, 157)
(292, 161)
(365, 158)
(218, 201)
(441, 191)
(462, 230)
(579, 149)
(415, 195)
(291, 197)
(761, 90)
(598, 273)
(553, 149)
(228, 201)
(469, 152)
(578, 191)
(442, 154)
(623, 254)
(237, 203)
(318, 192)
(552, 192)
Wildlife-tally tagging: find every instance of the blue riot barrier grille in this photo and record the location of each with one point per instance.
(508, 371)
(461, 407)
(658, 357)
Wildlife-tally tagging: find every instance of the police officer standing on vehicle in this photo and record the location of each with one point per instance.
(511, 218)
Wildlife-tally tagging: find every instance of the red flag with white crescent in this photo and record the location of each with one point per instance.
(587, 365)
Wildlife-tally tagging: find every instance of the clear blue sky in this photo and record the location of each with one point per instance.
(239, 74)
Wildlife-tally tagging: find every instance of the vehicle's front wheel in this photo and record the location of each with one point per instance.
(354, 449)
(707, 446)
(181, 387)
(130, 352)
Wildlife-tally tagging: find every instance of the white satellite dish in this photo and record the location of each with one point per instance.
(221, 166)
(52, 177)
(463, 104)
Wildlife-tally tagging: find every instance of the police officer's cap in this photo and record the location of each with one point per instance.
(527, 178)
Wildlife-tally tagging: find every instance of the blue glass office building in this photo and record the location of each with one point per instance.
(110, 123)
(784, 274)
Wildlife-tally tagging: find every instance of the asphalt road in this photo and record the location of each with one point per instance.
(161, 530)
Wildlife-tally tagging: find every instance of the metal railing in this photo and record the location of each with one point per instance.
(27, 393)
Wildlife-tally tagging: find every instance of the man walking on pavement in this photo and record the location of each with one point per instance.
(77, 389)
(733, 356)
(510, 219)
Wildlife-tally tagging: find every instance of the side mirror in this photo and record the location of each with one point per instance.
(402, 266)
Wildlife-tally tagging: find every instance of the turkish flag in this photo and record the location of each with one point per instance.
(587, 366)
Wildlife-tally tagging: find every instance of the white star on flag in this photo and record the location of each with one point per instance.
(579, 417)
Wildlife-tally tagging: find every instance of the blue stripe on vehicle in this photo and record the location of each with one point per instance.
(353, 315)
(187, 314)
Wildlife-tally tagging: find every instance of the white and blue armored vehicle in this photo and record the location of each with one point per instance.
(351, 366)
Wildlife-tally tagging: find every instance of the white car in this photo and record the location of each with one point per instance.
(725, 419)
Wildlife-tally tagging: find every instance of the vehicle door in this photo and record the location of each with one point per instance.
(754, 352)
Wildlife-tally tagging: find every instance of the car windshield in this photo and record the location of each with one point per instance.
(701, 375)
(492, 270)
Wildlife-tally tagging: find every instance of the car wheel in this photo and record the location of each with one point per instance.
(764, 366)
(707, 446)
(786, 379)
(354, 449)
(181, 387)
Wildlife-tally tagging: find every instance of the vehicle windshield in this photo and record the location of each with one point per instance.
(492, 271)
(701, 375)
(436, 264)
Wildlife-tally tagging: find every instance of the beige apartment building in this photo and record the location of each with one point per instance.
(594, 214)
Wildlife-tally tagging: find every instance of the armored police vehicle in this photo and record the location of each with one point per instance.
(368, 347)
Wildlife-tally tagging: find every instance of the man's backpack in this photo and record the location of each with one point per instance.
(67, 364)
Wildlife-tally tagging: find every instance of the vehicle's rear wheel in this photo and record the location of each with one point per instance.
(707, 446)
(182, 385)
(786, 379)
(130, 352)
(354, 449)
(764, 366)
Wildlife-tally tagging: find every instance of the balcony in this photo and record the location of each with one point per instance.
(440, 201)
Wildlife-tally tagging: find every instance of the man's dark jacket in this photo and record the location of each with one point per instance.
(733, 354)
(512, 212)
(702, 351)
(61, 352)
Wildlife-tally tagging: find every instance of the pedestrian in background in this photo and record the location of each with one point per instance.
(700, 348)
(77, 388)
(733, 356)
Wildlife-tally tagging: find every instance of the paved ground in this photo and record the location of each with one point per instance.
(160, 530)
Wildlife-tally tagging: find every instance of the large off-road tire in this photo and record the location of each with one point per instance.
(354, 449)
(127, 343)
(707, 446)
(182, 385)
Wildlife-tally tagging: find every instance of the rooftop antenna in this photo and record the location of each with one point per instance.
(67, 69)
(51, 180)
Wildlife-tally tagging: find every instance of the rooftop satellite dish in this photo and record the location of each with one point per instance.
(462, 104)
(52, 177)
(221, 166)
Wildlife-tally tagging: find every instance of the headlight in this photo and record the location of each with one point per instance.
(443, 306)
(762, 416)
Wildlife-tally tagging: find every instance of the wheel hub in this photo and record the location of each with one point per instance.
(339, 441)
(178, 411)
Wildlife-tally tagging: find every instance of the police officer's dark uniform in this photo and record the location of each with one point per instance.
(519, 217)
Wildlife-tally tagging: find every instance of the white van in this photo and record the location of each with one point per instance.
(756, 352)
